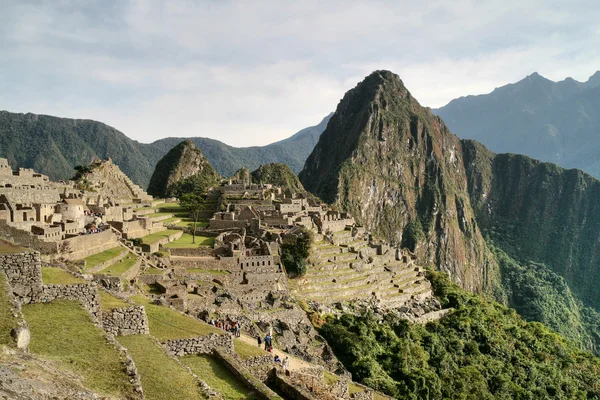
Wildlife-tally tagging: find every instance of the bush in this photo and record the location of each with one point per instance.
(294, 255)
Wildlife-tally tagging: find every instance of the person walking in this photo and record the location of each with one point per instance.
(285, 364)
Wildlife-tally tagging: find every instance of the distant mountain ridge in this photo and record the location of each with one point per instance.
(54, 145)
(557, 122)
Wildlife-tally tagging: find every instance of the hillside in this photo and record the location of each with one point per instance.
(457, 205)
(183, 162)
(278, 175)
(53, 146)
(550, 121)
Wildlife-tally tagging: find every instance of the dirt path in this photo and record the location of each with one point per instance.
(295, 362)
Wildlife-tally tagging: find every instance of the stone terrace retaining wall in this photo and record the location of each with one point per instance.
(126, 321)
(291, 391)
(199, 252)
(24, 273)
(262, 391)
(199, 345)
(260, 366)
(101, 266)
(26, 239)
(109, 282)
(85, 293)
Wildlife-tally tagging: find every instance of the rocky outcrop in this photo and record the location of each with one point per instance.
(399, 171)
(278, 175)
(185, 162)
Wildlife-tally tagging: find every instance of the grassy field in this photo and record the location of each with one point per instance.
(63, 331)
(167, 324)
(104, 256)
(7, 247)
(108, 301)
(187, 223)
(217, 376)
(7, 321)
(162, 377)
(121, 266)
(185, 242)
(58, 276)
(246, 350)
(155, 237)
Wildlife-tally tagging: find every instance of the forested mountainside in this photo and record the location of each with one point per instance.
(278, 175)
(478, 215)
(550, 121)
(53, 146)
(181, 164)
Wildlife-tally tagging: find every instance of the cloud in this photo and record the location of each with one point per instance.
(250, 73)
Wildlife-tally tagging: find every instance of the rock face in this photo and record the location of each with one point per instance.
(278, 175)
(184, 161)
(397, 168)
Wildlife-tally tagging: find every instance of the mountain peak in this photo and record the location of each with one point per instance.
(593, 80)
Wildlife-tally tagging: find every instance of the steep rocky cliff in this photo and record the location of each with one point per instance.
(183, 164)
(279, 175)
(397, 168)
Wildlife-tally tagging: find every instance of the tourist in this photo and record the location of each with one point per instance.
(259, 340)
(277, 359)
(238, 330)
(285, 363)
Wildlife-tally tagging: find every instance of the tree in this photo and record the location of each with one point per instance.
(194, 203)
(294, 254)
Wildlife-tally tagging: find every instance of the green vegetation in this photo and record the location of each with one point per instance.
(186, 241)
(246, 350)
(108, 301)
(58, 276)
(278, 175)
(294, 255)
(121, 266)
(167, 324)
(63, 331)
(7, 320)
(155, 237)
(7, 247)
(162, 377)
(104, 256)
(218, 377)
(194, 203)
(481, 350)
(154, 271)
(413, 234)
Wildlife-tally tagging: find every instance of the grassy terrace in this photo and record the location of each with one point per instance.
(217, 376)
(155, 237)
(246, 350)
(58, 276)
(187, 223)
(63, 331)
(185, 242)
(104, 256)
(154, 271)
(7, 320)
(162, 377)
(121, 266)
(108, 301)
(167, 324)
(7, 247)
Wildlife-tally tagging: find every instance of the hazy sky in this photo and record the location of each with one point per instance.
(253, 72)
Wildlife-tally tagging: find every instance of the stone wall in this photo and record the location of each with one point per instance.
(24, 274)
(109, 282)
(199, 252)
(101, 266)
(126, 321)
(291, 391)
(199, 345)
(86, 294)
(85, 245)
(24, 238)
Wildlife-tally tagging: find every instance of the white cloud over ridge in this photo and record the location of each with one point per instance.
(250, 73)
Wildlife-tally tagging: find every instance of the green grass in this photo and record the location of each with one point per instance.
(186, 223)
(185, 242)
(330, 379)
(353, 388)
(247, 350)
(121, 266)
(155, 237)
(158, 214)
(7, 320)
(162, 377)
(58, 276)
(108, 301)
(7, 247)
(167, 324)
(171, 220)
(104, 256)
(154, 271)
(172, 207)
(63, 331)
(207, 271)
(218, 377)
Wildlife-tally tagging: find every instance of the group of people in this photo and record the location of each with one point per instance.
(285, 363)
(227, 325)
(268, 342)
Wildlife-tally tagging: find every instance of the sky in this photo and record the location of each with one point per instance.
(254, 72)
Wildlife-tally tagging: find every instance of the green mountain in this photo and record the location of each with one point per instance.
(279, 175)
(478, 215)
(54, 146)
(550, 121)
(183, 165)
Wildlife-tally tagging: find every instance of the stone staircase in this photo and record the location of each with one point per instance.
(338, 273)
